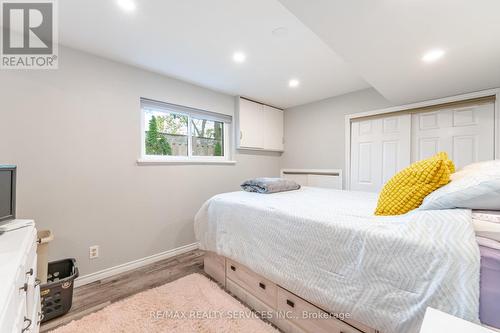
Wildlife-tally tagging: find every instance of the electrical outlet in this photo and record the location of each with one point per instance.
(94, 252)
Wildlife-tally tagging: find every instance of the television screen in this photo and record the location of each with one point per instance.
(7, 193)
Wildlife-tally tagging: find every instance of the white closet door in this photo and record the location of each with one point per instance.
(466, 134)
(250, 124)
(379, 149)
(272, 128)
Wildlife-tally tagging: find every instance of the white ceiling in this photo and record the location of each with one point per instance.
(332, 46)
(194, 40)
(384, 41)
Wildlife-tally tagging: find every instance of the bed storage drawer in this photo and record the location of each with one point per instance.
(215, 266)
(308, 316)
(263, 289)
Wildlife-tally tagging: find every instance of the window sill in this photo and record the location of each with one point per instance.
(182, 162)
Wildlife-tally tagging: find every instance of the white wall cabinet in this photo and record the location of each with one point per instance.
(260, 127)
(250, 125)
(272, 128)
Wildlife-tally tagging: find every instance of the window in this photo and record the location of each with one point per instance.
(207, 137)
(176, 133)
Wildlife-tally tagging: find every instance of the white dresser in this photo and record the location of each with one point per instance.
(19, 290)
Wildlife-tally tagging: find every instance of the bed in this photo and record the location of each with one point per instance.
(327, 247)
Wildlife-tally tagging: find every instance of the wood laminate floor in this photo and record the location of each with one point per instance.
(94, 296)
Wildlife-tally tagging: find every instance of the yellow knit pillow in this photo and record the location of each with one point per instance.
(408, 188)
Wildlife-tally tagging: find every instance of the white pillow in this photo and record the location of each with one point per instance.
(476, 186)
(474, 167)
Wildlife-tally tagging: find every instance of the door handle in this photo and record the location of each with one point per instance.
(28, 326)
(40, 317)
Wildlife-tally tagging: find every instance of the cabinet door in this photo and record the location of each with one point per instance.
(250, 125)
(272, 129)
(466, 134)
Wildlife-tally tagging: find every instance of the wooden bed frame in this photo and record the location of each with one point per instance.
(281, 307)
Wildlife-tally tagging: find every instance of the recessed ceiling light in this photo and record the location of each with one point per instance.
(126, 5)
(239, 57)
(293, 83)
(433, 55)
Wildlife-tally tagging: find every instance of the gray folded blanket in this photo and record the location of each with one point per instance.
(269, 185)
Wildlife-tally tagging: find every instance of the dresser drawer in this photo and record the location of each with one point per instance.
(308, 316)
(12, 303)
(15, 303)
(20, 320)
(263, 289)
(29, 263)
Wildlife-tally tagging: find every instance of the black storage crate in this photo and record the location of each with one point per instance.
(57, 293)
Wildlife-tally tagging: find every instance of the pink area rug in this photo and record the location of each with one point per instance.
(190, 304)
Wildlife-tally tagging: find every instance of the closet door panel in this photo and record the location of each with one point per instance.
(363, 150)
(475, 142)
(395, 145)
(379, 149)
(382, 146)
(466, 134)
(465, 150)
(427, 147)
(390, 150)
(427, 138)
(428, 121)
(365, 165)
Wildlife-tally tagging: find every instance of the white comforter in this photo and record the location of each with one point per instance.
(328, 247)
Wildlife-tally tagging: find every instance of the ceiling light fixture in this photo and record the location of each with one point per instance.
(126, 5)
(239, 57)
(293, 83)
(433, 55)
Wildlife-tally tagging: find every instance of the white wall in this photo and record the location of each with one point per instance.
(315, 132)
(75, 135)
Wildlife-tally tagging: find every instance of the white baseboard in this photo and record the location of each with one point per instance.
(105, 273)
